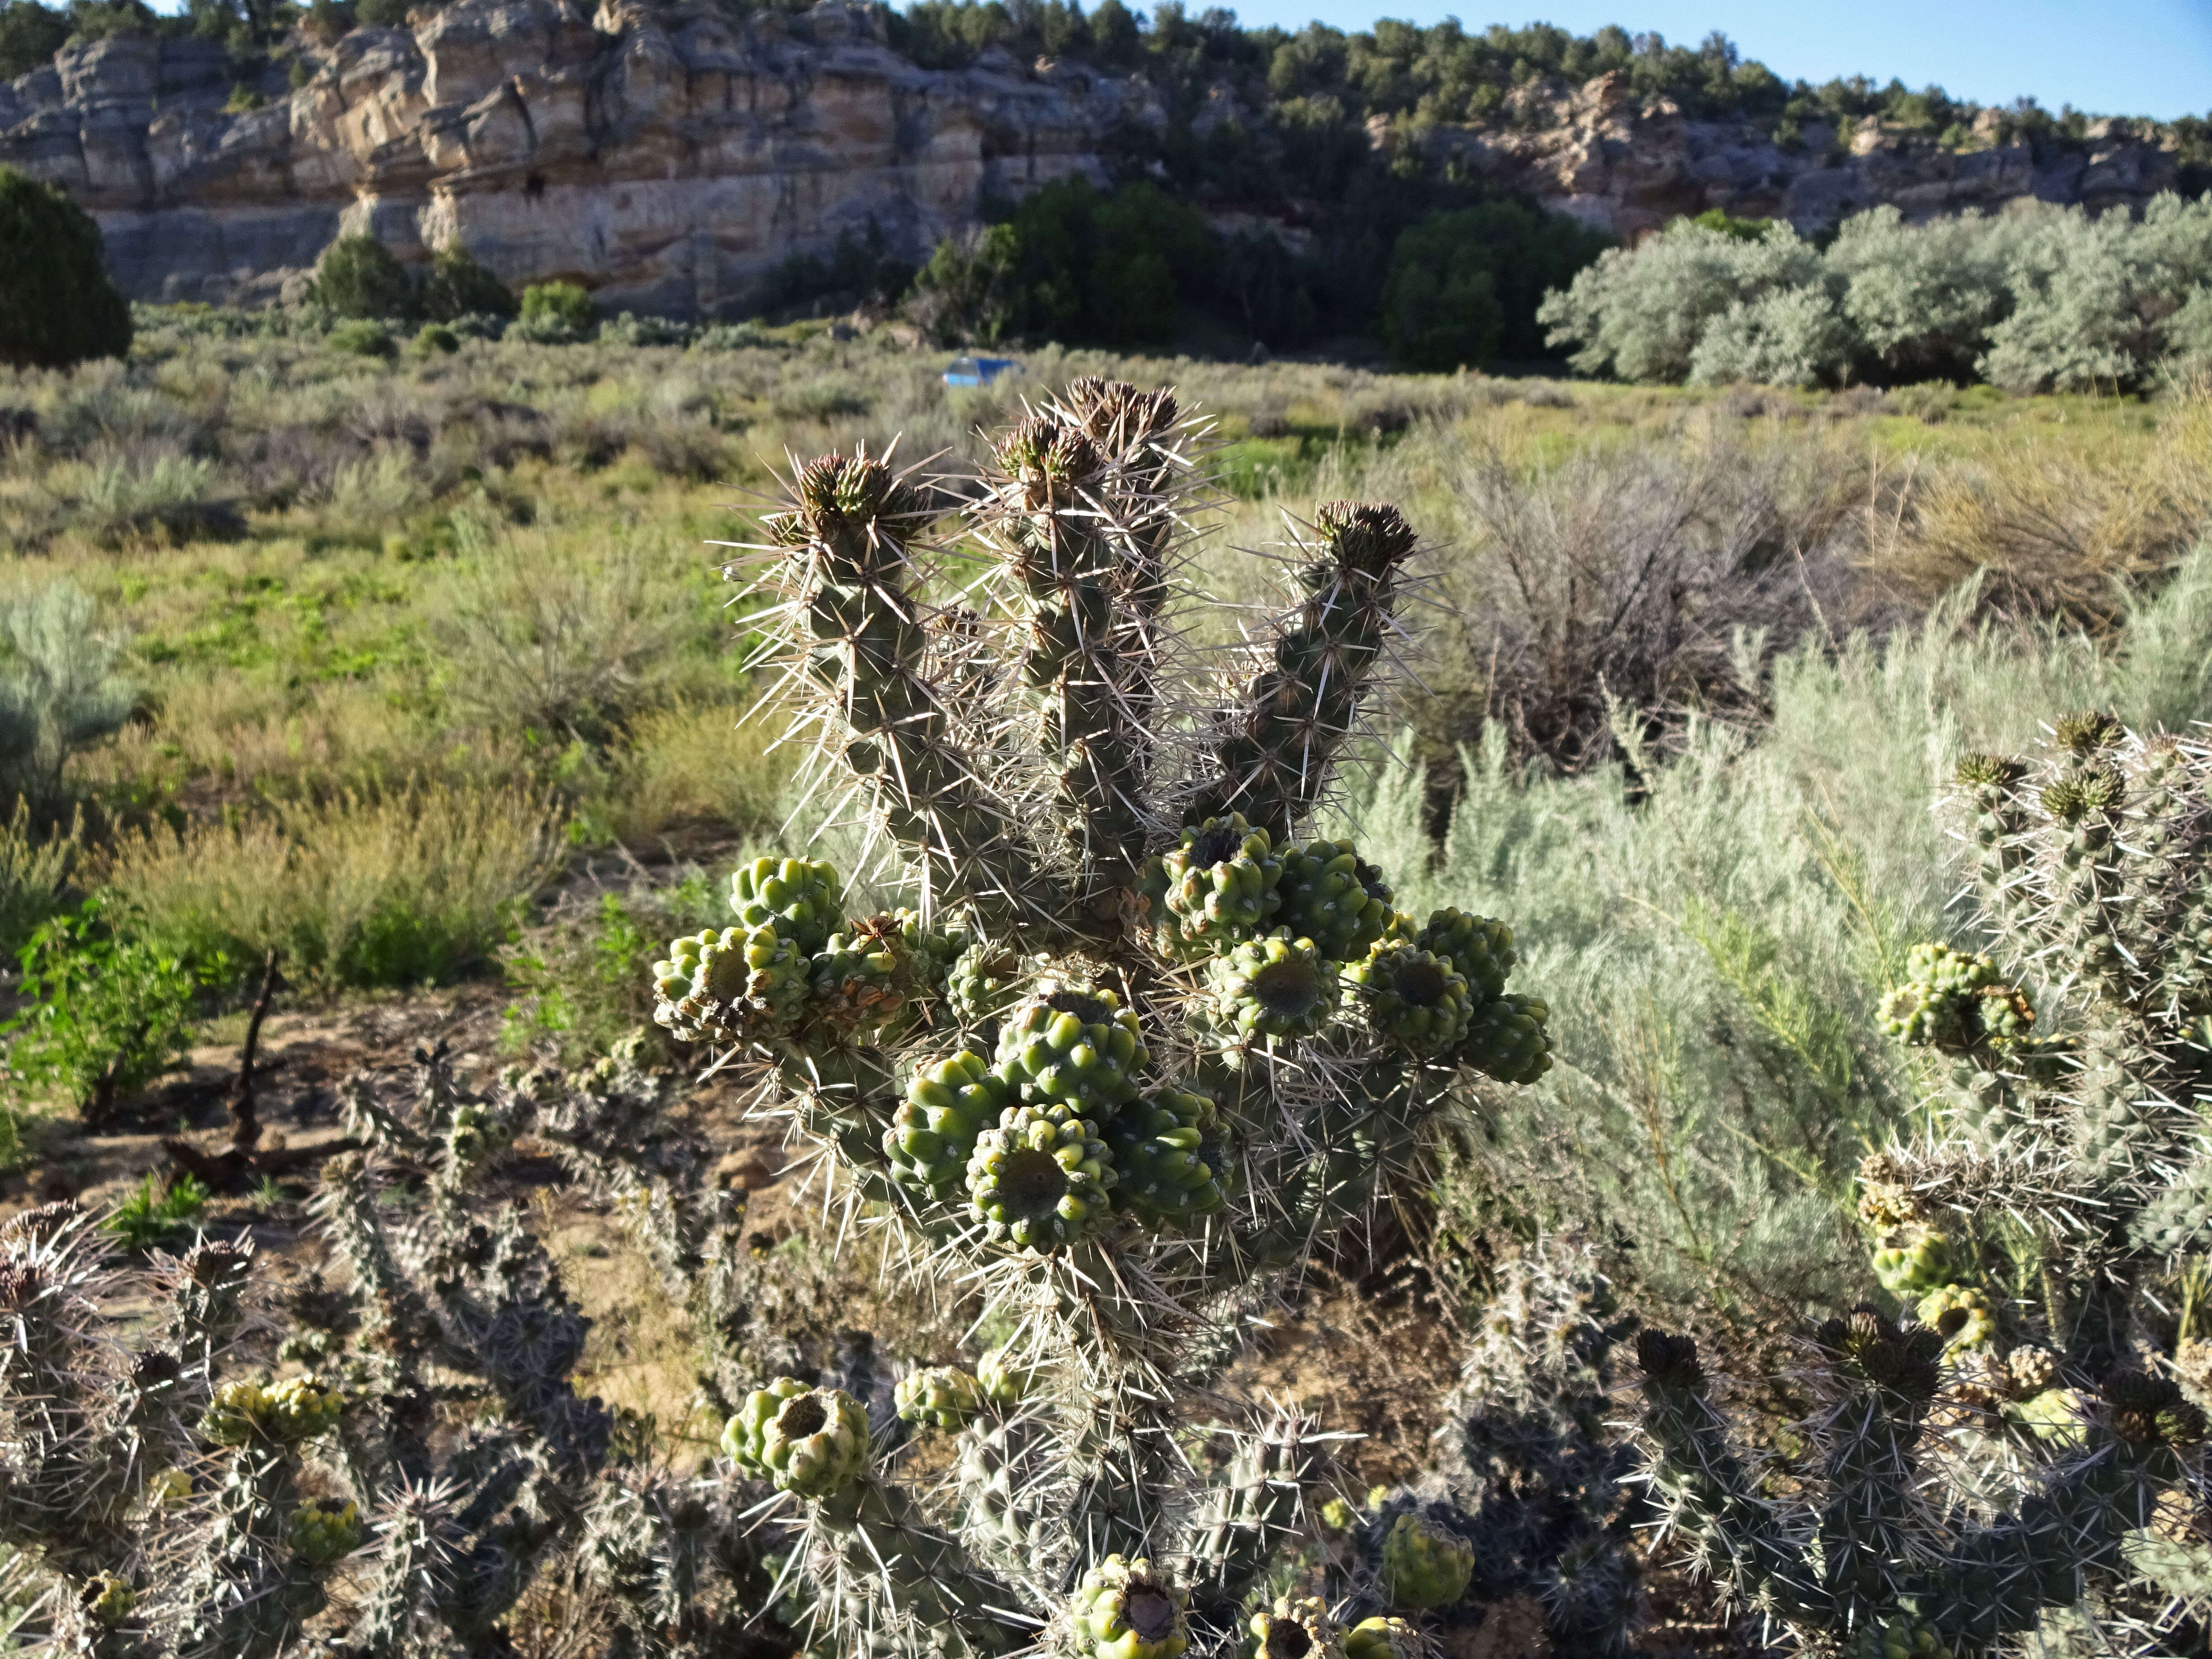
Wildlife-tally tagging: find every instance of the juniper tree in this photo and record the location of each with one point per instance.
(1139, 1045)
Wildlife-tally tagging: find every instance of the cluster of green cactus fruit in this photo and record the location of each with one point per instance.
(1147, 1038)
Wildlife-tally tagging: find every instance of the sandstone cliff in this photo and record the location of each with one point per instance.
(667, 161)
(670, 159)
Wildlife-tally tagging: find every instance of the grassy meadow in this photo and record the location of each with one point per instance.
(435, 684)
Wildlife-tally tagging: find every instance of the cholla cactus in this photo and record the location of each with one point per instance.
(2060, 1178)
(1129, 1059)
(388, 1478)
(1531, 1494)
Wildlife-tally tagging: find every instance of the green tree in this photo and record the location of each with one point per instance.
(1104, 270)
(30, 36)
(1464, 286)
(359, 277)
(457, 286)
(58, 306)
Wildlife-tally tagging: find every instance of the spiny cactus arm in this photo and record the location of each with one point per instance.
(908, 1574)
(1082, 523)
(391, 1308)
(2071, 1532)
(1707, 1493)
(850, 589)
(1282, 739)
(1243, 1520)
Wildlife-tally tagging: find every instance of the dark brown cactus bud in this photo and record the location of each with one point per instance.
(1669, 1360)
(154, 1369)
(2150, 1410)
(216, 1263)
(1902, 1359)
(1994, 771)
(43, 1224)
(2086, 732)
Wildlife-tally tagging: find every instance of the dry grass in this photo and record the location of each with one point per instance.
(2067, 529)
(412, 886)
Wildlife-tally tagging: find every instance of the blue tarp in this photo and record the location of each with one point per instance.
(978, 371)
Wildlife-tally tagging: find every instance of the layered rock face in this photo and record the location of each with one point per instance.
(668, 162)
(670, 159)
(1627, 166)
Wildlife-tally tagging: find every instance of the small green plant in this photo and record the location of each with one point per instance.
(363, 337)
(156, 1214)
(107, 1012)
(555, 314)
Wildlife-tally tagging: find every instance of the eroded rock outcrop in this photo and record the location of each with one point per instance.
(672, 158)
(669, 161)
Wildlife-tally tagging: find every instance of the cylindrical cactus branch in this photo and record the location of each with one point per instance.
(859, 628)
(1282, 738)
(1086, 510)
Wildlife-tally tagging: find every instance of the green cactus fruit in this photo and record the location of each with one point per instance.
(170, 1488)
(1480, 947)
(1218, 887)
(1506, 1039)
(1124, 1610)
(325, 1533)
(860, 980)
(1964, 1317)
(933, 1133)
(2053, 1416)
(943, 1397)
(807, 1441)
(1274, 987)
(1899, 1636)
(1072, 1046)
(734, 985)
(797, 897)
(1412, 996)
(1331, 896)
(1297, 1628)
(299, 1408)
(1424, 1564)
(985, 982)
(1384, 1638)
(108, 1597)
(1952, 1000)
(1913, 1261)
(1169, 1159)
(1006, 1378)
(1040, 1179)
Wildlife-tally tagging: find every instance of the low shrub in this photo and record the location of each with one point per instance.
(402, 889)
(363, 338)
(359, 277)
(435, 339)
(108, 1011)
(58, 688)
(554, 313)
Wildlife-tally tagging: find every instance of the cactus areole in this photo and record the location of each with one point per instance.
(1124, 1058)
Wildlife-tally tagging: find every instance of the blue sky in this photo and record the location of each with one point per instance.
(2121, 57)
